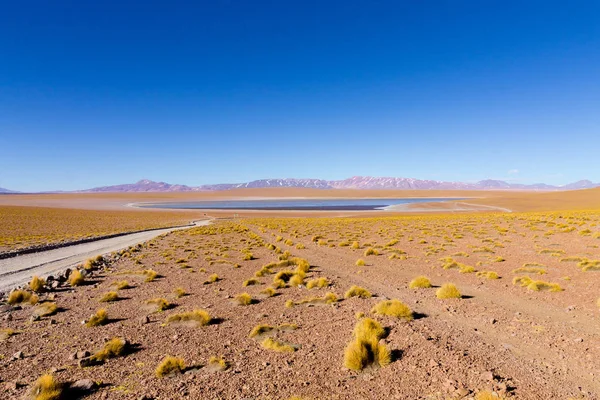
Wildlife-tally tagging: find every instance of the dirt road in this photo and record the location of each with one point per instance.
(18, 270)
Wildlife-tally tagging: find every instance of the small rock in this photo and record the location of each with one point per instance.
(88, 362)
(34, 318)
(18, 355)
(570, 308)
(578, 340)
(10, 386)
(493, 321)
(55, 284)
(83, 354)
(488, 376)
(83, 385)
(145, 320)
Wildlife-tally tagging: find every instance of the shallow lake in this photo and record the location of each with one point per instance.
(295, 204)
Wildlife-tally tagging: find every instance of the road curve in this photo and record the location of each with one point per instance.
(19, 270)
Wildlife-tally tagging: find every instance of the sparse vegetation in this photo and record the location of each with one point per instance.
(47, 388)
(276, 345)
(356, 291)
(97, 319)
(393, 308)
(192, 318)
(109, 296)
(243, 299)
(448, 291)
(170, 366)
(420, 282)
(76, 278)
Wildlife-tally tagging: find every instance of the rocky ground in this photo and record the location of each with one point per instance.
(500, 338)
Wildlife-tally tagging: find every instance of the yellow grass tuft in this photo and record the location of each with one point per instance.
(259, 330)
(360, 262)
(99, 318)
(170, 366)
(5, 333)
(179, 292)
(76, 278)
(150, 275)
(115, 347)
(487, 395)
(37, 284)
(355, 245)
(192, 318)
(488, 274)
(420, 282)
(251, 282)
(448, 291)
(47, 388)
(45, 309)
(365, 349)
(275, 345)
(393, 308)
(289, 303)
(243, 299)
(217, 363)
(109, 296)
(158, 304)
(357, 291)
(120, 285)
(21, 296)
(371, 252)
(269, 292)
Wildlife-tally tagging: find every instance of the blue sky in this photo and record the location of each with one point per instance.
(98, 93)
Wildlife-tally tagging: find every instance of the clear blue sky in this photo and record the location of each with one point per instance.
(105, 92)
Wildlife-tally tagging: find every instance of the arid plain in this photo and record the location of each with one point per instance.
(317, 305)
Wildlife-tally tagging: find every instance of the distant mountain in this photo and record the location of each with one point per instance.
(144, 185)
(2, 190)
(356, 182)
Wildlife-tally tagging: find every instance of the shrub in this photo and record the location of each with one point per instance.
(355, 245)
(158, 304)
(110, 296)
(248, 256)
(289, 303)
(100, 318)
(212, 279)
(420, 282)
(297, 280)
(5, 333)
(488, 274)
(76, 278)
(448, 291)
(356, 291)
(243, 299)
(193, 318)
(272, 344)
(320, 283)
(37, 284)
(360, 262)
(115, 347)
(530, 270)
(393, 308)
(300, 246)
(170, 366)
(179, 292)
(47, 388)
(21, 296)
(487, 395)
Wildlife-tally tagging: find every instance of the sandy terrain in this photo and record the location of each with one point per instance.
(500, 336)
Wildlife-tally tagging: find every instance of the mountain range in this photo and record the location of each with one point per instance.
(356, 182)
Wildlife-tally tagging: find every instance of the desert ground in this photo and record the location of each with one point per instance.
(442, 304)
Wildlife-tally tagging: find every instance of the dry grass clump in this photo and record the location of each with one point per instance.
(45, 309)
(76, 278)
(115, 347)
(109, 296)
(357, 291)
(21, 296)
(192, 318)
(317, 283)
(420, 282)
(589, 265)
(289, 303)
(212, 279)
(97, 319)
(179, 292)
(170, 366)
(393, 308)
(300, 246)
(251, 282)
(530, 284)
(448, 291)
(355, 245)
(243, 299)
(248, 256)
(269, 292)
(260, 330)
(158, 304)
(530, 270)
(360, 262)
(217, 363)
(121, 285)
(47, 388)
(365, 349)
(91, 263)
(487, 395)
(276, 345)
(150, 274)
(371, 252)
(37, 284)
(297, 279)
(488, 274)
(5, 333)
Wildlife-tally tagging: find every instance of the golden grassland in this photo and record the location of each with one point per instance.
(22, 227)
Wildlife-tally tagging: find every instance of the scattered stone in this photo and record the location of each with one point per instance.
(83, 385)
(18, 355)
(578, 340)
(145, 320)
(83, 354)
(88, 362)
(493, 321)
(34, 318)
